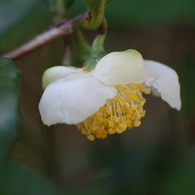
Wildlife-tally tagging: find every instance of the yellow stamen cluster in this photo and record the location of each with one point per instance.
(123, 111)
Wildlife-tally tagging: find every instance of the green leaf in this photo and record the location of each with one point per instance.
(9, 114)
(20, 21)
(97, 52)
(17, 180)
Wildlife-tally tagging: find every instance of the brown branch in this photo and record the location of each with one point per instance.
(41, 40)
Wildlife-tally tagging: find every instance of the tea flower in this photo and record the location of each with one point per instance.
(108, 99)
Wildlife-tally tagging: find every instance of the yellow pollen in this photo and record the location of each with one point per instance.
(91, 137)
(123, 111)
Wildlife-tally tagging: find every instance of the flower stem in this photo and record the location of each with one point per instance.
(97, 50)
(82, 48)
(61, 28)
(40, 41)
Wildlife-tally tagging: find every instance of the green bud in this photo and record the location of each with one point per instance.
(92, 19)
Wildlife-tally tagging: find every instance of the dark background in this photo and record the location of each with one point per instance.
(156, 158)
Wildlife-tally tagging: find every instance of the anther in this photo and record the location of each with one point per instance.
(122, 112)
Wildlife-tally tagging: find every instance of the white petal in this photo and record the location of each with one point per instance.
(72, 101)
(119, 68)
(79, 75)
(155, 91)
(56, 73)
(165, 80)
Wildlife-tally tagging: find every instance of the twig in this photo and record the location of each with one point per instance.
(41, 40)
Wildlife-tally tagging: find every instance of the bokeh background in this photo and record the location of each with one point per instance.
(156, 158)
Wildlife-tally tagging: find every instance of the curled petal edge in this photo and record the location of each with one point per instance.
(165, 80)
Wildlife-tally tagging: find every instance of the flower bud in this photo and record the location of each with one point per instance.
(56, 73)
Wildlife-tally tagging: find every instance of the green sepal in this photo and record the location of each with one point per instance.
(9, 112)
(97, 52)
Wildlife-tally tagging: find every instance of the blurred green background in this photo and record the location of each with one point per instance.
(156, 158)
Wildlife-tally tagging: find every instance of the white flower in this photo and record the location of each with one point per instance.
(108, 99)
